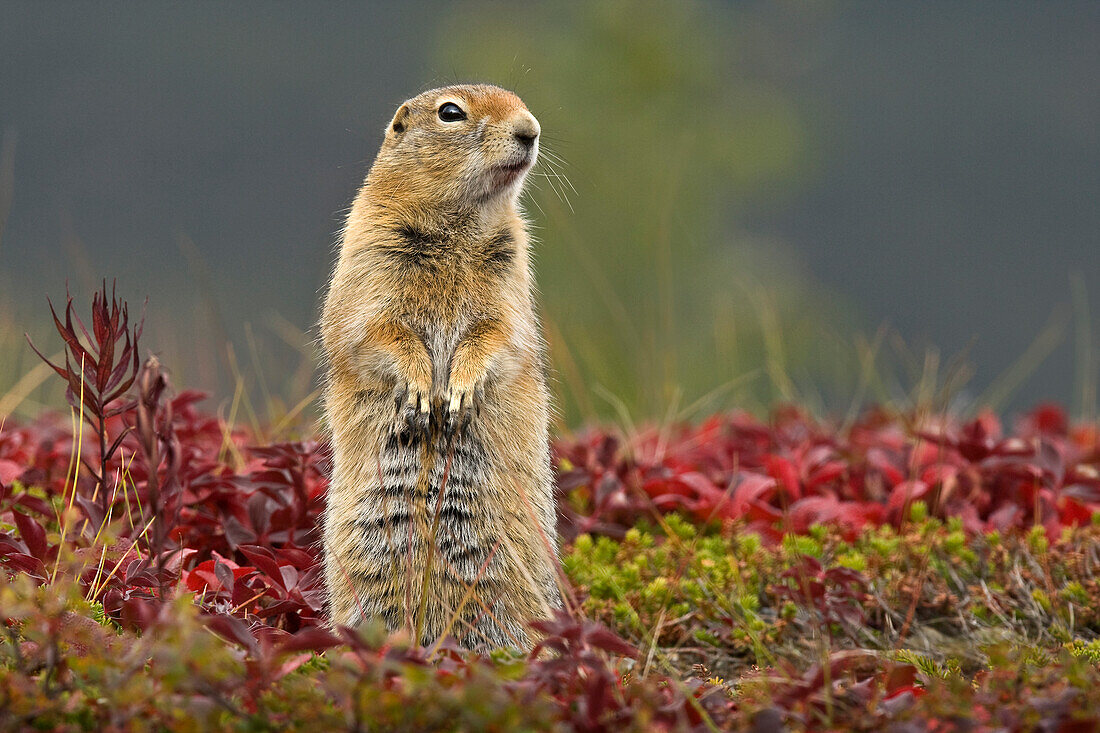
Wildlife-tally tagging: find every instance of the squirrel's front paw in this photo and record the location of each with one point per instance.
(460, 406)
(413, 404)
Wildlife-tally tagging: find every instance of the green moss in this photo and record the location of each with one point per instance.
(749, 603)
(982, 613)
(707, 637)
(1039, 596)
(954, 541)
(854, 560)
(1060, 632)
(884, 545)
(940, 566)
(799, 545)
(1074, 592)
(748, 545)
(680, 527)
(657, 591)
(678, 609)
(924, 663)
(725, 586)
(1037, 540)
(1085, 650)
(95, 610)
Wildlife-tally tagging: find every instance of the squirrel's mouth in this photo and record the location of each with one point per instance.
(504, 174)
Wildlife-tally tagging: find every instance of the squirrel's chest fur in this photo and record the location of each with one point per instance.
(442, 285)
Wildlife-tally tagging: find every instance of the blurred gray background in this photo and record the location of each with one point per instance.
(749, 202)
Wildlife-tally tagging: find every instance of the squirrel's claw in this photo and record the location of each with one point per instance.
(460, 407)
(413, 407)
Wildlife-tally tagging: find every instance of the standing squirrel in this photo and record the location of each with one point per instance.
(441, 515)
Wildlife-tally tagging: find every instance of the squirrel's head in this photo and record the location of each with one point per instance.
(464, 144)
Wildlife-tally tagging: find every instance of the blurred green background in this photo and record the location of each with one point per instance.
(738, 204)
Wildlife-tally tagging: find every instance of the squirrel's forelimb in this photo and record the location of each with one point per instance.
(474, 356)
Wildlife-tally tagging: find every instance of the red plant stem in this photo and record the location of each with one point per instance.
(103, 500)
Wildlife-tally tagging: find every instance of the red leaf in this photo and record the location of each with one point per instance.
(826, 474)
(899, 675)
(23, 563)
(813, 510)
(224, 575)
(265, 561)
(316, 640)
(233, 629)
(290, 665)
(32, 533)
(903, 495)
(202, 578)
(784, 472)
(1050, 418)
(236, 534)
(9, 471)
(753, 490)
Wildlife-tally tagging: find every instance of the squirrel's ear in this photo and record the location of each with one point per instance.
(400, 120)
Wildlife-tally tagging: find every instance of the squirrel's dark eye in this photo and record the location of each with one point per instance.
(451, 112)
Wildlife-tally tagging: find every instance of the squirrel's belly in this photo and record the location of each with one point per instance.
(431, 509)
(431, 494)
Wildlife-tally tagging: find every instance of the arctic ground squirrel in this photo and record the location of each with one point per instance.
(441, 514)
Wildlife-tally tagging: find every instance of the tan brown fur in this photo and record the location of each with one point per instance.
(435, 389)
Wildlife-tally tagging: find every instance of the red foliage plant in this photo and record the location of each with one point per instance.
(792, 473)
(191, 506)
(154, 474)
(237, 524)
(98, 374)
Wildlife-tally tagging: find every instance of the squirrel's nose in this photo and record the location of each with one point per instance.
(526, 130)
